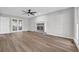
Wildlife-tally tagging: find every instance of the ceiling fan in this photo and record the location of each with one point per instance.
(28, 12)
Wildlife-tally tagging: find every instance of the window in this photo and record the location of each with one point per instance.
(16, 24)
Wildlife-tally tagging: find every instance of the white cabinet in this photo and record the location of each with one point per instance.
(4, 25)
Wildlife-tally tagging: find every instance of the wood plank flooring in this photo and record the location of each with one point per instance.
(35, 42)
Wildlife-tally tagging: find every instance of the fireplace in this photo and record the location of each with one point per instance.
(40, 27)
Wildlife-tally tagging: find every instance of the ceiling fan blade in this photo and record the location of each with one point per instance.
(34, 12)
(24, 12)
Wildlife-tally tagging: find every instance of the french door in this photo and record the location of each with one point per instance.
(16, 25)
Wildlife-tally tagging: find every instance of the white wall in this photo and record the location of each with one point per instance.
(26, 24)
(5, 24)
(34, 21)
(60, 23)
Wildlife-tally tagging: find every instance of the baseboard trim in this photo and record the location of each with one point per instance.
(59, 36)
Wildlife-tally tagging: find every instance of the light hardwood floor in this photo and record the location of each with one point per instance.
(35, 42)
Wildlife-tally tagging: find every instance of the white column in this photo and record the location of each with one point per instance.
(76, 26)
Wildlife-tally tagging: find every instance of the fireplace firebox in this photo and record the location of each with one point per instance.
(40, 27)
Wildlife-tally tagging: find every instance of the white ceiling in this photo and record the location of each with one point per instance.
(17, 11)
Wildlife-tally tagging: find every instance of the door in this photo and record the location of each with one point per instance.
(16, 25)
(4, 25)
